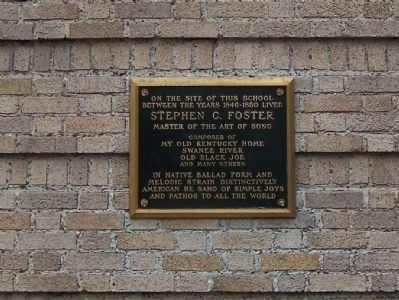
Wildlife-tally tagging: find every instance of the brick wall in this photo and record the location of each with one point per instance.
(64, 137)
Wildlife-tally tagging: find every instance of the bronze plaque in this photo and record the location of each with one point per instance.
(212, 147)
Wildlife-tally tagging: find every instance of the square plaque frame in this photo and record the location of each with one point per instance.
(139, 212)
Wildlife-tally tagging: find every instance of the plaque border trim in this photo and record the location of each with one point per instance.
(143, 213)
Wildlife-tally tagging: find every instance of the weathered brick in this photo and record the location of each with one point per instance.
(241, 240)
(336, 219)
(47, 220)
(187, 10)
(104, 124)
(16, 31)
(380, 143)
(19, 171)
(49, 105)
(334, 199)
(93, 221)
(95, 240)
(9, 11)
(143, 261)
(384, 170)
(384, 283)
(291, 283)
(357, 56)
(381, 199)
(239, 261)
(384, 240)
(192, 241)
(374, 219)
(372, 28)
(51, 30)
(182, 56)
(36, 145)
(95, 282)
(224, 55)
(191, 262)
(50, 11)
(13, 261)
(47, 200)
(13, 220)
(149, 240)
(236, 10)
(7, 199)
(289, 239)
(332, 103)
(7, 240)
(333, 143)
(243, 283)
(378, 261)
(120, 173)
(6, 282)
(336, 240)
(377, 9)
(283, 28)
(93, 200)
(94, 261)
(141, 56)
(282, 8)
(98, 171)
(49, 85)
(289, 261)
(330, 84)
(78, 169)
(143, 10)
(96, 10)
(162, 59)
(328, 9)
(302, 220)
(46, 261)
(202, 56)
(378, 103)
(187, 28)
(8, 144)
(95, 84)
(96, 30)
(337, 283)
(46, 240)
(47, 283)
(336, 262)
(186, 224)
(100, 56)
(192, 282)
(145, 283)
(120, 52)
(15, 86)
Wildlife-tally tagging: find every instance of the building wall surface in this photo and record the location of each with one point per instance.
(64, 143)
